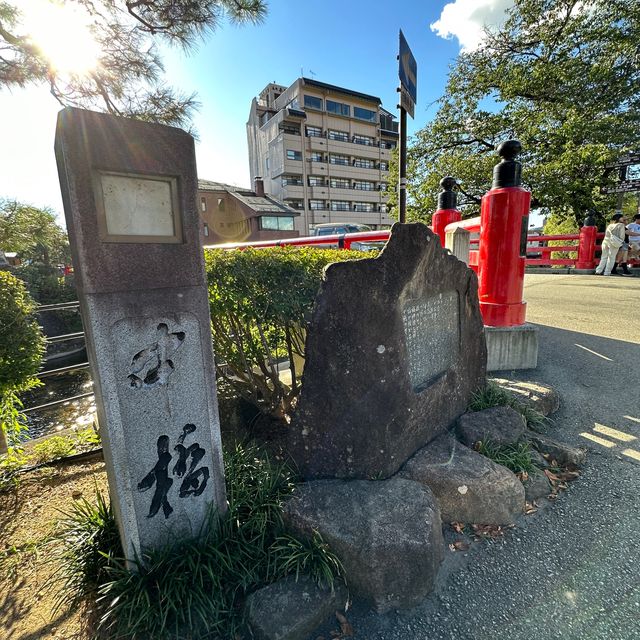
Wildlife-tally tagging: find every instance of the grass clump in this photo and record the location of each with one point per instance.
(192, 588)
(515, 457)
(493, 395)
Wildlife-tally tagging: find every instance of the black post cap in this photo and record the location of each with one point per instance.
(590, 220)
(448, 198)
(508, 172)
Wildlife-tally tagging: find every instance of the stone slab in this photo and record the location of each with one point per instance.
(540, 397)
(512, 348)
(290, 609)
(394, 351)
(498, 425)
(387, 534)
(129, 191)
(468, 486)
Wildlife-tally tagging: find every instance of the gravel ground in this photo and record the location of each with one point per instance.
(572, 569)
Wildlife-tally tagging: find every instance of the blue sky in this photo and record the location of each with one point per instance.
(346, 43)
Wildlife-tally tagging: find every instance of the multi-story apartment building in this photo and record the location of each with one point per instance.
(324, 151)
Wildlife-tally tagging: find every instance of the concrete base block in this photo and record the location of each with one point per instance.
(510, 348)
(584, 272)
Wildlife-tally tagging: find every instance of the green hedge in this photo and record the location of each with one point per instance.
(21, 347)
(260, 301)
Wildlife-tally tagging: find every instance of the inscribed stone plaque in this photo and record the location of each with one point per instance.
(432, 335)
(138, 206)
(166, 427)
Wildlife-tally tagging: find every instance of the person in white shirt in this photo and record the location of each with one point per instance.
(634, 242)
(613, 240)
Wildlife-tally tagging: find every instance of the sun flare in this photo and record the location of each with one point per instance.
(63, 36)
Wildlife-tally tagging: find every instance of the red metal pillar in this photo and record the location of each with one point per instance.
(504, 223)
(587, 244)
(446, 212)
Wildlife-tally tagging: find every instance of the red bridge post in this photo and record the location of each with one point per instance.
(587, 244)
(446, 211)
(504, 222)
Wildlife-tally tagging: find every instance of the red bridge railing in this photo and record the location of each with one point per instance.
(539, 252)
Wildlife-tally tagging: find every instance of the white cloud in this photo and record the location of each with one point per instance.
(466, 19)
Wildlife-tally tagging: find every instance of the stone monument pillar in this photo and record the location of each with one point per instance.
(129, 191)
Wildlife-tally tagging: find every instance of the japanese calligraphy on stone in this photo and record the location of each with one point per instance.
(194, 478)
(152, 364)
(432, 336)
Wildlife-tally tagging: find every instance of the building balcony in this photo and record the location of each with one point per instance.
(319, 192)
(292, 191)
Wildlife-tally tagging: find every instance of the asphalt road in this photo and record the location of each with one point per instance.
(571, 571)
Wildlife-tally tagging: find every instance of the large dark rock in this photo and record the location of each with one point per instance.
(498, 425)
(468, 486)
(290, 609)
(388, 535)
(394, 350)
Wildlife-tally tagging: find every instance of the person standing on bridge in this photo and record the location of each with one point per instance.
(613, 240)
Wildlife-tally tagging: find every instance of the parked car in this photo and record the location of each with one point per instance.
(333, 228)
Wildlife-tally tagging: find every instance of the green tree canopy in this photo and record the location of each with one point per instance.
(127, 79)
(32, 232)
(563, 77)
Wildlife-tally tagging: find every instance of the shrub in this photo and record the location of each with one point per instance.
(191, 588)
(21, 349)
(260, 302)
(492, 395)
(515, 457)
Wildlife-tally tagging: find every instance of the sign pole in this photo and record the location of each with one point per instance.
(408, 74)
(402, 172)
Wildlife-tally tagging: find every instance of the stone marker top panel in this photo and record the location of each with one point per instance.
(129, 188)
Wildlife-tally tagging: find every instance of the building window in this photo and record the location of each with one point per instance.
(366, 140)
(339, 205)
(361, 185)
(384, 165)
(382, 186)
(341, 136)
(311, 102)
(339, 108)
(203, 204)
(336, 159)
(316, 205)
(363, 206)
(387, 144)
(363, 163)
(291, 181)
(290, 128)
(364, 114)
(316, 156)
(295, 204)
(205, 230)
(340, 183)
(383, 208)
(387, 122)
(294, 155)
(315, 181)
(314, 132)
(276, 223)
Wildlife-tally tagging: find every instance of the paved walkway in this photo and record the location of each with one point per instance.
(572, 570)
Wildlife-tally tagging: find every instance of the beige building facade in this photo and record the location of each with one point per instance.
(324, 151)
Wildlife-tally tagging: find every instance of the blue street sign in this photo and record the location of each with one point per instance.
(408, 74)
